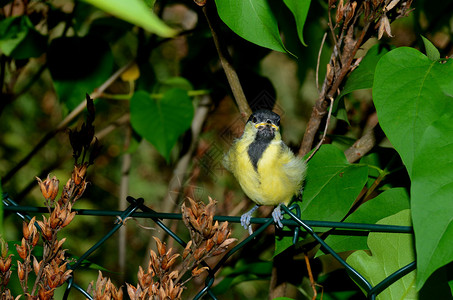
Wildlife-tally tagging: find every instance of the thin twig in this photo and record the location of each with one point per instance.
(332, 30)
(230, 72)
(122, 203)
(325, 130)
(310, 276)
(319, 61)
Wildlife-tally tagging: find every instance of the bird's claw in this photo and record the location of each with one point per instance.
(278, 216)
(246, 218)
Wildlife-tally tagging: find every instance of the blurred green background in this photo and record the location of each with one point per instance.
(54, 52)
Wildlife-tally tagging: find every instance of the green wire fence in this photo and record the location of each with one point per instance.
(295, 223)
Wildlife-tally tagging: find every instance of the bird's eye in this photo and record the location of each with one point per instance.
(254, 120)
(277, 123)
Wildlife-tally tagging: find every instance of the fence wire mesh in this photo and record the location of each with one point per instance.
(137, 209)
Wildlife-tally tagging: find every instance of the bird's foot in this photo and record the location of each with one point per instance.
(245, 219)
(278, 216)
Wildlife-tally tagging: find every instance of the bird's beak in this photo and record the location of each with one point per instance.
(266, 124)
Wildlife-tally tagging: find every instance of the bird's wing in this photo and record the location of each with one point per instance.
(229, 158)
(293, 166)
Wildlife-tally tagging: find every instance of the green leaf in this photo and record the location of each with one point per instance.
(331, 186)
(431, 50)
(410, 92)
(135, 12)
(339, 110)
(242, 272)
(389, 253)
(431, 190)
(90, 65)
(299, 8)
(12, 31)
(252, 20)
(385, 204)
(19, 39)
(162, 121)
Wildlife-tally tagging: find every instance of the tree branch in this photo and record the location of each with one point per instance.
(230, 72)
(369, 139)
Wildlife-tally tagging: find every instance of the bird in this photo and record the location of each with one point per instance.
(267, 170)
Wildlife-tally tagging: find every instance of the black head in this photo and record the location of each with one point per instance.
(264, 116)
(266, 122)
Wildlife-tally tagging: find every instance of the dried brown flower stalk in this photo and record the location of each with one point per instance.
(5, 271)
(159, 281)
(162, 278)
(51, 270)
(104, 289)
(208, 238)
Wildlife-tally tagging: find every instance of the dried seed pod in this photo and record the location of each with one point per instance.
(161, 249)
(22, 249)
(173, 275)
(49, 187)
(200, 3)
(45, 294)
(198, 271)
(187, 250)
(20, 271)
(78, 175)
(391, 5)
(340, 12)
(350, 10)
(209, 245)
(5, 264)
(171, 261)
(27, 229)
(36, 265)
(384, 26)
(329, 73)
(198, 254)
(367, 10)
(227, 242)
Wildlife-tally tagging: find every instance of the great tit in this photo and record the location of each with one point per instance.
(265, 167)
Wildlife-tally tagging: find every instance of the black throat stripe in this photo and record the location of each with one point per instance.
(256, 150)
